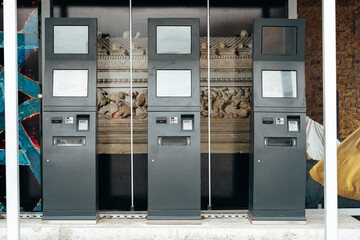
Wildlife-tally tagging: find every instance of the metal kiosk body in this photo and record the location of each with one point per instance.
(174, 119)
(69, 120)
(278, 122)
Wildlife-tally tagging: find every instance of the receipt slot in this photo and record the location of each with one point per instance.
(174, 120)
(69, 120)
(278, 122)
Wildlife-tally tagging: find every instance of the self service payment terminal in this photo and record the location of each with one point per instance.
(278, 122)
(69, 119)
(174, 119)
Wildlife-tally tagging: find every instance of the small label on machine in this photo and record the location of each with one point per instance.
(187, 125)
(279, 121)
(83, 125)
(69, 120)
(293, 126)
(174, 120)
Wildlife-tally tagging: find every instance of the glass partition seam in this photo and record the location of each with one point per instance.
(209, 96)
(132, 208)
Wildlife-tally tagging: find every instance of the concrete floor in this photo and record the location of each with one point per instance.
(239, 229)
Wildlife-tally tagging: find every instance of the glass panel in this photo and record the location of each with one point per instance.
(279, 84)
(71, 39)
(173, 40)
(70, 83)
(279, 40)
(173, 83)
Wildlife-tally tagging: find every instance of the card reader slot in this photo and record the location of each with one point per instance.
(69, 141)
(174, 141)
(280, 142)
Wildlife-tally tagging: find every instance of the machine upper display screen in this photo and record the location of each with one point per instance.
(70, 83)
(279, 84)
(173, 40)
(71, 39)
(173, 83)
(279, 40)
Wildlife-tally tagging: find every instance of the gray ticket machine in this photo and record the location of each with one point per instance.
(69, 119)
(174, 119)
(278, 122)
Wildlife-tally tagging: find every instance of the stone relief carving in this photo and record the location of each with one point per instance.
(117, 105)
(225, 102)
(230, 93)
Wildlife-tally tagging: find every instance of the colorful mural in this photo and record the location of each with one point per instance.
(29, 108)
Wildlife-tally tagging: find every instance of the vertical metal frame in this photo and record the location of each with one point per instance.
(329, 100)
(11, 120)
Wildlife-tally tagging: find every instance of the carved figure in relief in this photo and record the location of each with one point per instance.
(140, 102)
(226, 103)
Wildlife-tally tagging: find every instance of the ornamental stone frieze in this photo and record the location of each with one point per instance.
(230, 94)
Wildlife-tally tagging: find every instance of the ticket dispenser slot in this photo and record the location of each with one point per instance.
(187, 122)
(293, 123)
(174, 141)
(82, 122)
(71, 141)
(280, 142)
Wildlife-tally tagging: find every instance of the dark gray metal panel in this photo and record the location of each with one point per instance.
(174, 109)
(69, 173)
(174, 62)
(174, 175)
(277, 174)
(258, 24)
(49, 36)
(69, 109)
(51, 101)
(259, 101)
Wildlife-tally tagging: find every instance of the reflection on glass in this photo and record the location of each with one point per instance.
(70, 83)
(279, 40)
(71, 39)
(279, 84)
(173, 40)
(173, 83)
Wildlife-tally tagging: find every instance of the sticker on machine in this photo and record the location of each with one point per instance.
(174, 120)
(69, 120)
(279, 121)
(187, 125)
(83, 125)
(293, 126)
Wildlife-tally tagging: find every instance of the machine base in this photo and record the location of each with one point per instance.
(68, 215)
(174, 215)
(174, 222)
(70, 222)
(277, 217)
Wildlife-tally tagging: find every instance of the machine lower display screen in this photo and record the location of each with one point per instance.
(279, 84)
(173, 83)
(70, 83)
